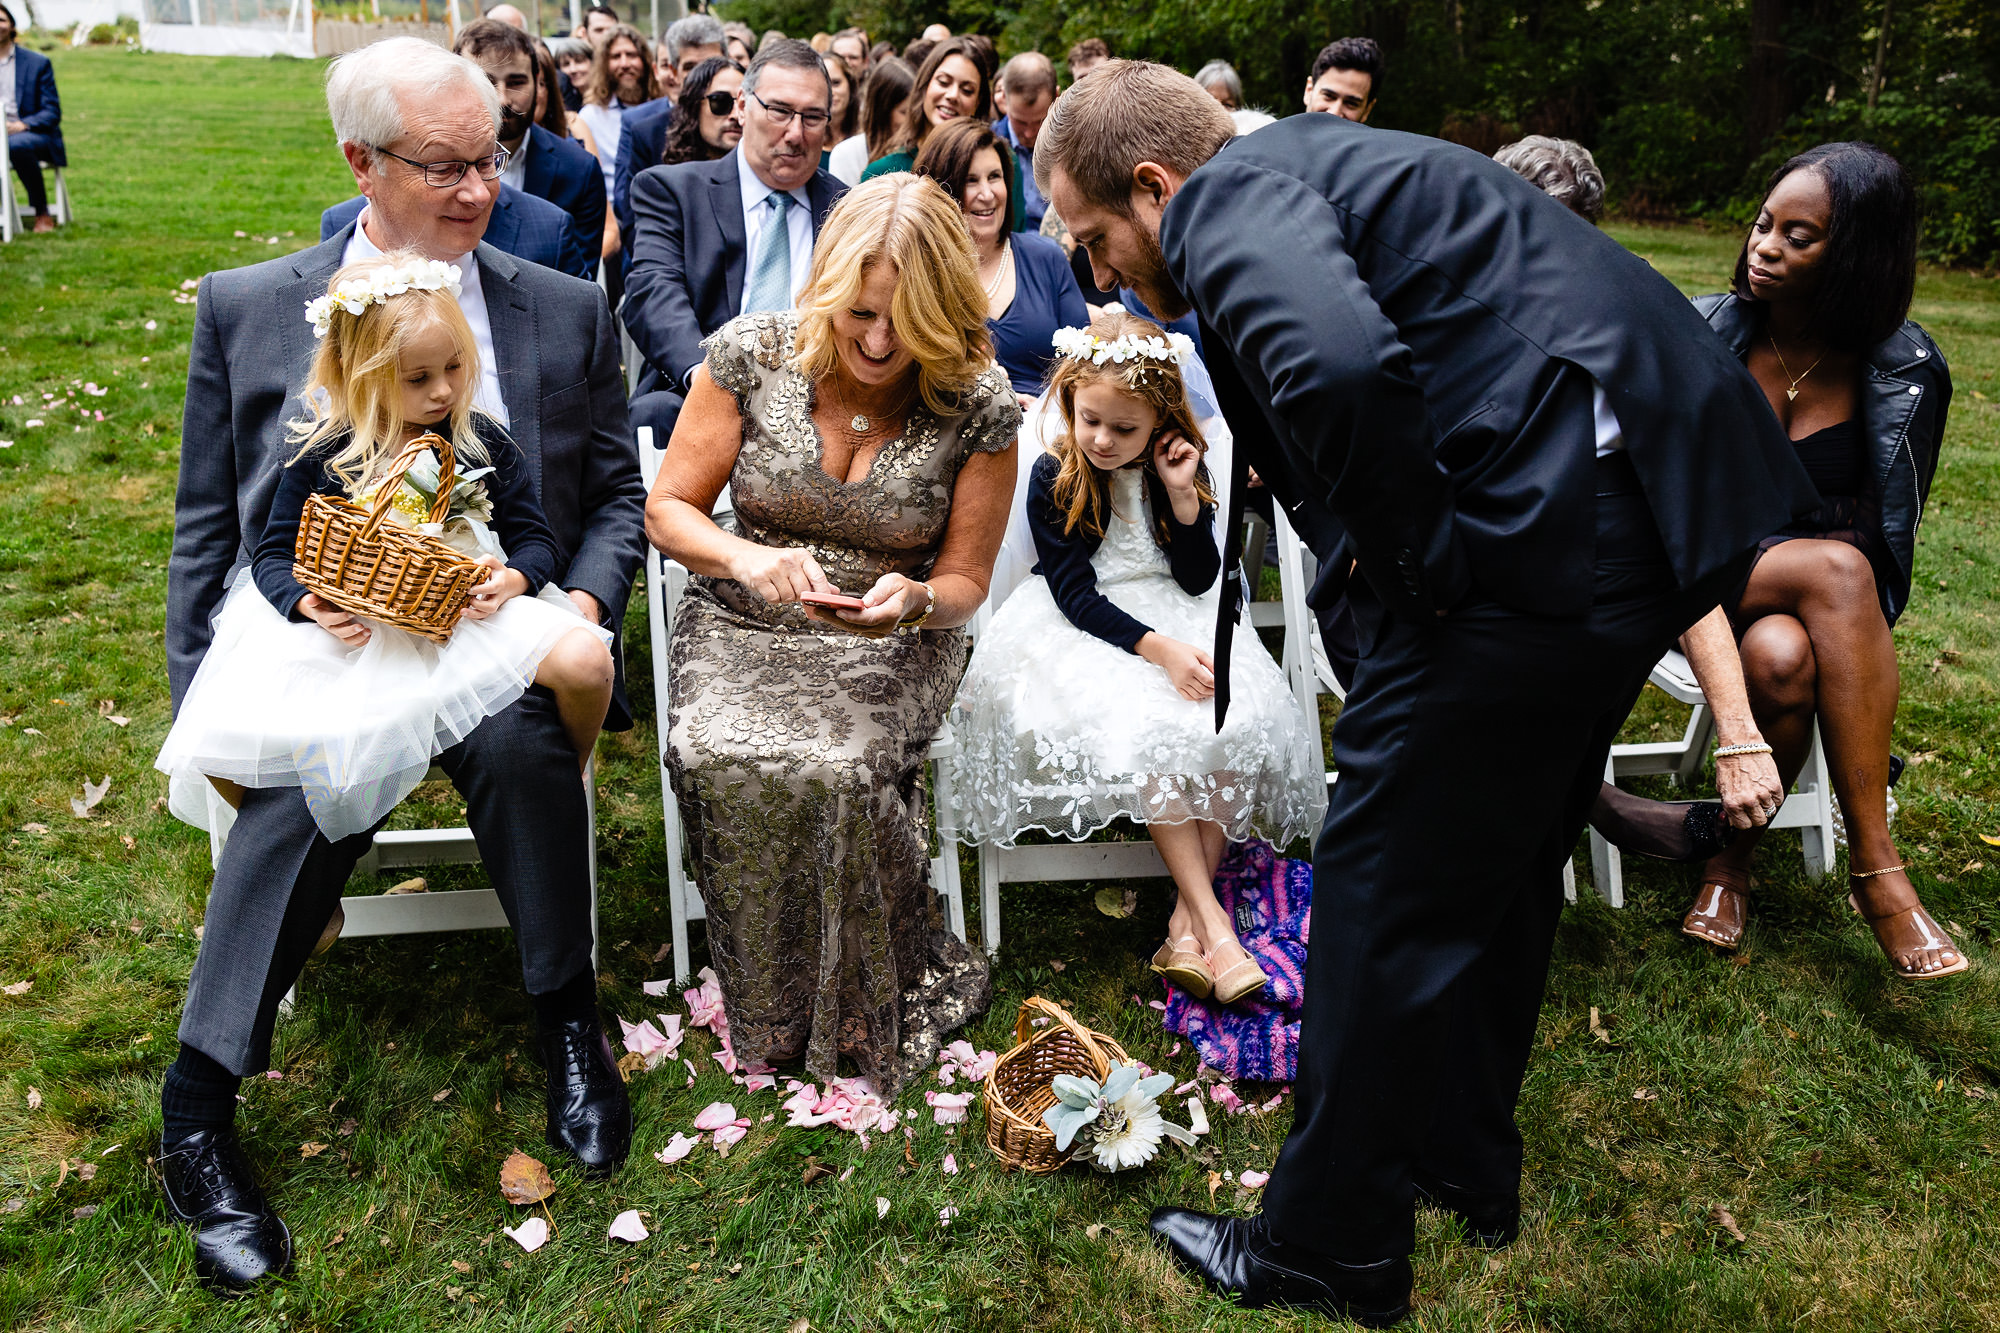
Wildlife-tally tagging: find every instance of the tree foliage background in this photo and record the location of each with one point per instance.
(1687, 104)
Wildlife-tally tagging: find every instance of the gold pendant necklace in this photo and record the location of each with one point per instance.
(1792, 390)
(860, 424)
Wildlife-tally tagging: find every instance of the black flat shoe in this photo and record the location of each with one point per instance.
(237, 1238)
(1237, 1256)
(590, 1116)
(1491, 1220)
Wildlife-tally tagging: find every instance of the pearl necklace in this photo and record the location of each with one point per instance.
(1000, 273)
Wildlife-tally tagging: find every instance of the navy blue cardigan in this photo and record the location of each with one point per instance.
(1065, 557)
(1046, 298)
(518, 520)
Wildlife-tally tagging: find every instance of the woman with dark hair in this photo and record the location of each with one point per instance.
(1818, 312)
(884, 95)
(1030, 292)
(951, 83)
(550, 113)
(846, 106)
(708, 119)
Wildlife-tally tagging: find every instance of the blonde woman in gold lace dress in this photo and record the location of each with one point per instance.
(867, 442)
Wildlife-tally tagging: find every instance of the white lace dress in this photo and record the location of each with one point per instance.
(1063, 732)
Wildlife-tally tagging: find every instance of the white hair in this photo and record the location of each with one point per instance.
(366, 89)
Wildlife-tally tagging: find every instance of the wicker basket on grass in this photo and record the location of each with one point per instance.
(356, 559)
(1020, 1087)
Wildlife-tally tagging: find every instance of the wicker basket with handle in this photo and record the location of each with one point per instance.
(1021, 1087)
(356, 559)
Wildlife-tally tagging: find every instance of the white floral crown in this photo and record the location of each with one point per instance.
(1176, 349)
(357, 294)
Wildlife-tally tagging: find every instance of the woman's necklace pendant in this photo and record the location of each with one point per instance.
(860, 424)
(1791, 395)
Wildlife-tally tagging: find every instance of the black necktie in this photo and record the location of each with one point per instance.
(1232, 579)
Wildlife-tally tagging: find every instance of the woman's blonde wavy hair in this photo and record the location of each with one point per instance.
(355, 387)
(1082, 492)
(939, 310)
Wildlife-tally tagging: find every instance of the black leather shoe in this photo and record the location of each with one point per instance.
(590, 1117)
(209, 1185)
(1492, 1220)
(1238, 1256)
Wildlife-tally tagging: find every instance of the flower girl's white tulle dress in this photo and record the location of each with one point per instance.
(282, 703)
(1061, 731)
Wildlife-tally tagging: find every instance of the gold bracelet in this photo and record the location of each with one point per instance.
(930, 605)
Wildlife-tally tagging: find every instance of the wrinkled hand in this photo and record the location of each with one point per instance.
(893, 599)
(1751, 791)
(493, 594)
(779, 573)
(1176, 460)
(1191, 669)
(17, 127)
(350, 629)
(592, 610)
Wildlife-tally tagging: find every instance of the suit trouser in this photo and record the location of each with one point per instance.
(27, 152)
(280, 878)
(1469, 750)
(660, 409)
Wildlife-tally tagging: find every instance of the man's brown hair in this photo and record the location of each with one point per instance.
(1090, 48)
(946, 156)
(486, 36)
(1125, 113)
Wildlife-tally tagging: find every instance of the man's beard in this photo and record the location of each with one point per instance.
(1156, 286)
(513, 124)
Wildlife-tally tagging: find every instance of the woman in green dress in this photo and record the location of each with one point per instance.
(951, 83)
(867, 442)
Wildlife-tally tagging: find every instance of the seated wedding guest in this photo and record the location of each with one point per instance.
(1563, 169)
(1219, 79)
(1030, 292)
(33, 116)
(739, 43)
(710, 122)
(1030, 83)
(572, 57)
(867, 442)
(1346, 78)
(950, 83)
(850, 45)
(1819, 312)
(885, 98)
(599, 22)
(1086, 56)
(530, 229)
(846, 107)
(714, 240)
(548, 358)
(643, 130)
(621, 79)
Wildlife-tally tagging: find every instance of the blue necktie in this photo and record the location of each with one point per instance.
(771, 280)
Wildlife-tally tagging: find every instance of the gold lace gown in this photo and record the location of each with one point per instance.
(797, 752)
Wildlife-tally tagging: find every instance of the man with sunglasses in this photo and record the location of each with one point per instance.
(713, 240)
(418, 128)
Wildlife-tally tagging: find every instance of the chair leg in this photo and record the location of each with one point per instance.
(10, 212)
(1607, 867)
(1816, 838)
(989, 900)
(60, 197)
(1569, 881)
(679, 890)
(590, 813)
(945, 876)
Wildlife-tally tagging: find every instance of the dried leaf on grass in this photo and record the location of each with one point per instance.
(1725, 1219)
(1600, 1028)
(1644, 1095)
(311, 1149)
(34, 1099)
(18, 988)
(417, 885)
(347, 1127)
(815, 1171)
(523, 1180)
(93, 796)
(441, 1094)
(461, 1265)
(1117, 903)
(88, 1171)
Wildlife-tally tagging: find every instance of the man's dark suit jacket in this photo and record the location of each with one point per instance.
(558, 352)
(36, 104)
(688, 263)
(642, 136)
(1400, 309)
(521, 225)
(563, 172)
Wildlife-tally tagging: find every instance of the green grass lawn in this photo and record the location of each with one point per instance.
(1849, 1123)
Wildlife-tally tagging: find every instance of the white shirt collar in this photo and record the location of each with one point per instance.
(755, 192)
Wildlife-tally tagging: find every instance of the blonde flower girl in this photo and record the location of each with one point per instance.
(294, 691)
(1088, 697)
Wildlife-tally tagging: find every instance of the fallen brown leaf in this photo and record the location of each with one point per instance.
(1095, 1229)
(88, 1171)
(629, 1064)
(1214, 1184)
(523, 1180)
(1600, 1028)
(1725, 1219)
(347, 1127)
(661, 953)
(34, 1099)
(815, 1171)
(417, 885)
(440, 1094)
(461, 1265)
(800, 1325)
(93, 796)
(1644, 1095)
(310, 1149)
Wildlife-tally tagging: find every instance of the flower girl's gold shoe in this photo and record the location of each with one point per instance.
(1183, 967)
(1239, 980)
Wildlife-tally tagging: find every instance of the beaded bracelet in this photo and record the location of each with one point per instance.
(1727, 751)
(930, 605)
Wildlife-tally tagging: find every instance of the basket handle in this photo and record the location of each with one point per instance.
(385, 494)
(1034, 1005)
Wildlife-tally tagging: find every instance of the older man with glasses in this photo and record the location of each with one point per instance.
(418, 126)
(714, 240)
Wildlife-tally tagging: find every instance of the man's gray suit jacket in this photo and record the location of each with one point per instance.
(558, 365)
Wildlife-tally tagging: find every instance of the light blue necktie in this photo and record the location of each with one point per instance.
(771, 280)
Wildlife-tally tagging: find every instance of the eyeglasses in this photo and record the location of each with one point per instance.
(444, 175)
(781, 116)
(721, 104)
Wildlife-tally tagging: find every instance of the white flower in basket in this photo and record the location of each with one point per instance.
(1116, 1125)
(465, 527)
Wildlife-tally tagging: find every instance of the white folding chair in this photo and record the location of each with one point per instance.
(665, 581)
(10, 208)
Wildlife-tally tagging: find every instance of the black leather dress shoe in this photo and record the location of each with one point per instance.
(590, 1116)
(237, 1238)
(1492, 1220)
(1238, 1256)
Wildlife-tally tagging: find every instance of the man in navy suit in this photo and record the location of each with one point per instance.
(521, 225)
(539, 163)
(33, 116)
(701, 227)
(643, 132)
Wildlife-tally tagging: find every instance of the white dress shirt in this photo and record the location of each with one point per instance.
(7, 108)
(515, 173)
(607, 127)
(1610, 435)
(757, 215)
(471, 301)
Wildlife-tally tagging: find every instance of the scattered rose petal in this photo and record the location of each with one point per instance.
(1271, 1105)
(945, 1214)
(881, 1207)
(759, 1082)
(523, 1180)
(729, 1134)
(951, 1164)
(844, 1175)
(627, 1227)
(645, 1041)
(1175, 1051)
(531, 1235)
(715, 1115)
(274, 1075)
(948, 1108)
(658, 988)
(152, 324)
(1225, 1096)
(1254, 1180)
(677, 1148)
(32, 422)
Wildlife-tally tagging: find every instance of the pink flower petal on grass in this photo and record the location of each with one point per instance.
(1225, 1096)
(627, 1227)
(677, 1148)
(945, 1214)
(644, 1040)
(658, 988)
(951, 1164)
(844, 1175)
(948, 1108)
(731, 1133)
(759, 1082)
(1253, 1180)
(531, 1235)
(715, 1115)
(690, 1066)
(881, 1207)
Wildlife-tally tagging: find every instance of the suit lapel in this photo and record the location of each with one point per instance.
(726, 194)
(311, 271)
(821, 193)
(517, 350)
(503, 228)
(541, 162)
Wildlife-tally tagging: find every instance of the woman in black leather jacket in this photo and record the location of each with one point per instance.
(1819, 315)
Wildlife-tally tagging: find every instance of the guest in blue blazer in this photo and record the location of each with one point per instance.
(546, 165)
(697, 225)
(523, 226)
(33, 115)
